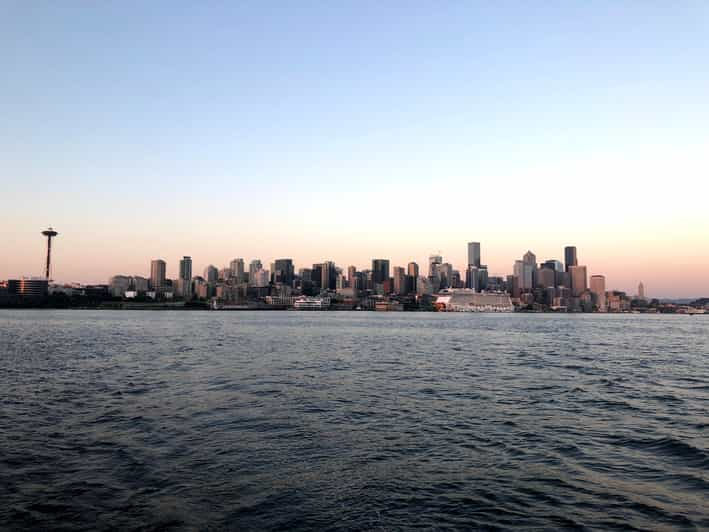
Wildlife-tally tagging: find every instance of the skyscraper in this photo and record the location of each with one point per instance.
(579, 280)
(211, 274)
(413, 270)
(157, 274)
(328, 276)
(434, 261)
(237, 269)
(598, 289)
(283, 272)
(474, 254)
(380, 271)
(186, 268)
(472, 278)
(351, 274)
(400, 285)
(254, 266)
(570, 258)
(641, 291)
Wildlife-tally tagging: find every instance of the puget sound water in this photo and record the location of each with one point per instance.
(146, 420)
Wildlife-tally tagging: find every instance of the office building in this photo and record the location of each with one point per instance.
(328, 276)
(570, 258)
(211, 274)
(474, 254)
(472, 278)
(237, 269)
(157, 274)
(598, 289)
(399, 275)
(413, 270)
(380, 271)
(283, 272)
(579, 283)
(186, 268)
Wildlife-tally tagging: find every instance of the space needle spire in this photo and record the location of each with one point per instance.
(49, 233)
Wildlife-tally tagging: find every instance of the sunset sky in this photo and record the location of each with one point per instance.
(351, 130)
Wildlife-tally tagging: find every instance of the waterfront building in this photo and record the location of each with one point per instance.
(186, 268)
(641, 291)
(157, 274)
(579, 283)
(28, 287)
(474, 254)
(118, 285)
(140, 284)
(598, 289)
(570, 257)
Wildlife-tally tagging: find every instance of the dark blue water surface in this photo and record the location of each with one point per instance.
(285, 420)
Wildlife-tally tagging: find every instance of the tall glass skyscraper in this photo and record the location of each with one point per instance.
(474, 254)
(570, 258)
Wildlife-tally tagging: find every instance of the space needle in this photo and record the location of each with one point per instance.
(49, 233)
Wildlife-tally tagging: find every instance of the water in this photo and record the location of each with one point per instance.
(285, 420)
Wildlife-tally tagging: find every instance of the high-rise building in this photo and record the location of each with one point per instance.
(211, 274)
(472, 278)
(570, 258)
(305, 274)
(598, 289)
(434, 261)
(254, 266)
(400, 285)
(546, 277)
(237, 269)
(555, 265)
(186, 268)
(157, 274)
(445, 271)
(316, 275)
(579, 282)
(474, 254)
(351, 274)
(328, 276)
(413, 270)
(283, 272)
(525, 272)
(380, 271)
(260, 278)
(641, 291)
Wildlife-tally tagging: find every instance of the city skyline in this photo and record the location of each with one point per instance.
(283, 270)
(357, 131)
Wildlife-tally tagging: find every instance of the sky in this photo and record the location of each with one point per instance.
(347, 131)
